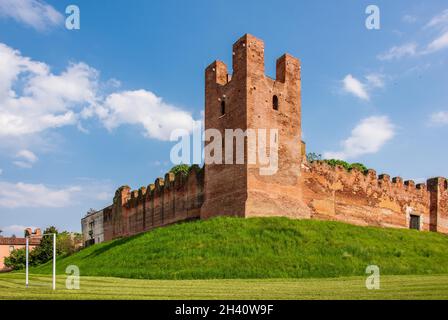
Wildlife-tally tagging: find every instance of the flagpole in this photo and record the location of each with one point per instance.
(27, 251)
(54, 261)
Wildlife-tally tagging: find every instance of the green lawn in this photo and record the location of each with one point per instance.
(268, 248)
(392, 287)
(259, 258)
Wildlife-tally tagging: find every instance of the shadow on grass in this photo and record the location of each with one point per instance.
(113, 244)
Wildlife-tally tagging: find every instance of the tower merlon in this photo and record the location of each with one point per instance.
(437, 183)
(288, 68)
(122, 194)
(248, 56)
(216, 73)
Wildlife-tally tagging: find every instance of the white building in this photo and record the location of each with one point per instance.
(92, 228)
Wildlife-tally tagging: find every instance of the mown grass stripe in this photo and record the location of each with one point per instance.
(392, 287)
(233, 248)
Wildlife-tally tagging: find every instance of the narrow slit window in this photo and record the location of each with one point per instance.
(275, 102)
(223, 107)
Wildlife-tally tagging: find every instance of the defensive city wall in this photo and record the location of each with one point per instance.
(168, 200)
(299, 189)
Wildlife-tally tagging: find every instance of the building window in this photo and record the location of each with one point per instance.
(11, 249)
(414, 222)
(275, 102)
(223, 107)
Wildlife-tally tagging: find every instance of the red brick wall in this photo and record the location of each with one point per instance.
(107, 223)
(170, 200)
(333, 193)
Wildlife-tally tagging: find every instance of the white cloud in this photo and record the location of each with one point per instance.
(16, 230)
(439, 21)
(94, 190)
(366, 138)
(439, 118)
(34, 13)
(143, 108)
(114, 83)
(439, 24)
(375, 80)
(26, 159)
(27, 155)
(437, 44)
(47, 101)
(355, 87)
(29, 195)
(15, 195)
(363, 89)
(23, 164)
(104, 196)
(397, 52)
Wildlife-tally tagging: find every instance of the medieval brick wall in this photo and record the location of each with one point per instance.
(172, 199)
(245, 100)
(333, 193)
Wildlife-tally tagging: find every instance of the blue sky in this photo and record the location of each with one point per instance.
(81, 111)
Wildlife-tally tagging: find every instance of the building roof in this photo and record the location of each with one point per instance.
(19, 241)
(99, 212)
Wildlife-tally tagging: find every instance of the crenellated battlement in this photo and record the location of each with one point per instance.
(176, 197)
(333, 192)
(170, 182)
(247, 60)
(369, 178)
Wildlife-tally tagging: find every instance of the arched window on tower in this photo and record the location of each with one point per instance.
(275, 102)
(223, 107)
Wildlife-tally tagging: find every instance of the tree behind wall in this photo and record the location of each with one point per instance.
(68, 243)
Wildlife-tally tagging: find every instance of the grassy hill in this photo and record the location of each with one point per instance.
(261, 248)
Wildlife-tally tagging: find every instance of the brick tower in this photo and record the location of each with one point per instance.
(249, 99)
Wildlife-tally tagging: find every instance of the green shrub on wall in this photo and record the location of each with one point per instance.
(358, 166)
(182, 168)
(336, 162)
(346, 165)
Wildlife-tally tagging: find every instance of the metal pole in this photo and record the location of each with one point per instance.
(27, 250)
(54, 261)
